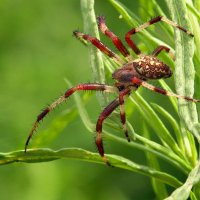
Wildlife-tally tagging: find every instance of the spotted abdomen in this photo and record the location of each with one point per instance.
(150, 67)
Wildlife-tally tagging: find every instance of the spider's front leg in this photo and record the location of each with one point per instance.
(157, 19)
(84, 87)
(97, 43)
(116, 41)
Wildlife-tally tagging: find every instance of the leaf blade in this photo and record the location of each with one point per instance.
(44, 155)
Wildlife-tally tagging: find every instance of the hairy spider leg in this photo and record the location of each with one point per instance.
(116, 41)
(104, 114)
(86, 86)
(122, 95)
(140, 82)
(163, 48)
(145, 25)
(102, 47)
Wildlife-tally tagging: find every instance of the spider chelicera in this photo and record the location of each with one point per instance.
(132, 74)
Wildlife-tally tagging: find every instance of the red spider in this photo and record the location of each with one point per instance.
(131, 75)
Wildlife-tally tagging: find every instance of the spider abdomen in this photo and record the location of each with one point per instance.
(145, 67)
(150, 67)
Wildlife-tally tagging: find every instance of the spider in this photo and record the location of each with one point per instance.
(129, 77)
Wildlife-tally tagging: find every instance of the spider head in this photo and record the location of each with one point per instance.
(150, 67)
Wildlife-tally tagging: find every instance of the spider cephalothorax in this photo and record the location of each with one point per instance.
(132, 74)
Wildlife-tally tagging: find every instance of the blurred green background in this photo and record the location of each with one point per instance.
(37, 53)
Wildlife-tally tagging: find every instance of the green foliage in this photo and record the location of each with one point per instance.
(162, 134)
(44, 155)
(184, 191)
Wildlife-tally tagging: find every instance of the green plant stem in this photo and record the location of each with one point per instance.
(155, 149)
(184, 71)
(183, 192)
(96, 60)
(44, 155)
(193, 10)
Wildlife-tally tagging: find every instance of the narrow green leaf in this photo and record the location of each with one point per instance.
(44, 155)
(82, 112)
(183, 192)
(184, 71)
(96, 58)
(154, 121)
(185, 140)
(154, 148)
(159, 188)
(173, 123)
(196, 30)
(193, 10)
(55, 127)
(133, 21)
(197, 4)
(173, 100)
